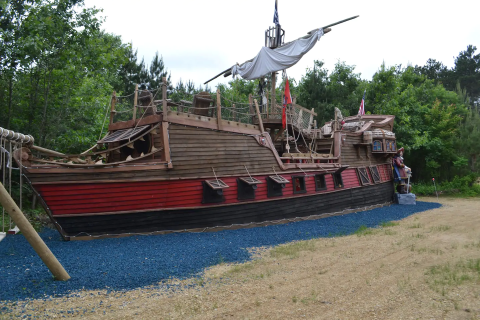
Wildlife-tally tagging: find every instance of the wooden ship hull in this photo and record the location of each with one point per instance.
(193, 172)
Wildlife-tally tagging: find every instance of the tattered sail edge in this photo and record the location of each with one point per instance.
(272, 60)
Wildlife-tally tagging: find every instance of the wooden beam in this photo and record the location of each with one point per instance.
(166, 144)
(48, 151)
(164, 98)
(260, 123)
(219, 110)
(32, 236)
(112, 107)
(135, 103)
(279, 134)
(272, 99)
(250, 104)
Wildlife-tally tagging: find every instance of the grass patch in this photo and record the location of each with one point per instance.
(435, 251)
(292, 250)
(240, 268)
(472, 245)
(415, 226)
(389, 224)
(418, 236)
(448, 275)
(364, 231)
(440, 228)
(389, 232)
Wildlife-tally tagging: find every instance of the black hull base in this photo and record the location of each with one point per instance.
(227, 215)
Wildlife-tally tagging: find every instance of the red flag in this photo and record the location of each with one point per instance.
(287, 98)
(361, 110)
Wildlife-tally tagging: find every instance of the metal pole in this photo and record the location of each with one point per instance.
(32, 236)
(433, 179)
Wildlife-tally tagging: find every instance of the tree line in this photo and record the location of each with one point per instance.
(58, 69)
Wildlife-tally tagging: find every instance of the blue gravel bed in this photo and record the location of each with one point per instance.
(138, 261)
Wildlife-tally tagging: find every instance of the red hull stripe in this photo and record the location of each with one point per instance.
(118, 197)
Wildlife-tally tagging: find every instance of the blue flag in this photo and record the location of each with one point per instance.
(275, 15)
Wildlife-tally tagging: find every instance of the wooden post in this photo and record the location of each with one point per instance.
(234, 113)
(112, 107)
(32, 236)
(273, 102)
(250, 102)
(335, 125)
(164, 99)
(135, 103)
(166, 144)
(260, 122)
(219, 110)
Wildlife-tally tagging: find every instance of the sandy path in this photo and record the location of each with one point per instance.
(384, 273)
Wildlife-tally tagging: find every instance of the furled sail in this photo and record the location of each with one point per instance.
(272, 60)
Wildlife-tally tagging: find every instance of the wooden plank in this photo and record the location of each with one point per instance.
(226, 125)
(220, 215)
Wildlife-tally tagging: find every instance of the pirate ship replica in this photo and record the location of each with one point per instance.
(207, 163)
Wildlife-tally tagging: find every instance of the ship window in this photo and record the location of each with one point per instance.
(213, 191)
(275, 185)
(363, 175)
(337, 180)
(246, 188)
(390, 145)
(375, 174)
(377, 145)
(394, 147)
(320, 183)
(299, 184)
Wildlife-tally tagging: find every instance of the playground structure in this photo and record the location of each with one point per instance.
(13, 142)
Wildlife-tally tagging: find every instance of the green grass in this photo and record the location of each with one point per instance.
(292, 250)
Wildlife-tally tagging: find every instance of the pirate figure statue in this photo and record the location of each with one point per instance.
(401, 172)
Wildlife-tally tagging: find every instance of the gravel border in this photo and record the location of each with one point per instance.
(133, 262)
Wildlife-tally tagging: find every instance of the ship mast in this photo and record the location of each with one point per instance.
(274, 38)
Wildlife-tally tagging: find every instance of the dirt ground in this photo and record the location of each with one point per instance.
(426, 266)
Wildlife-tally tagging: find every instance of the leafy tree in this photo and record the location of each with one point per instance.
(157, 71)
(467, 71)
(468, 139)
(312, 91)
(61, 52)
(345, 89)
(427, 117)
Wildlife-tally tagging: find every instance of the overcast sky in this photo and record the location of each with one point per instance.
(199, 39)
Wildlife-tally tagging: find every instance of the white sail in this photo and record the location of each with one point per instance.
(272, 60)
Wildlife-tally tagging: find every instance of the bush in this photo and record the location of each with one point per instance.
(460, 186)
